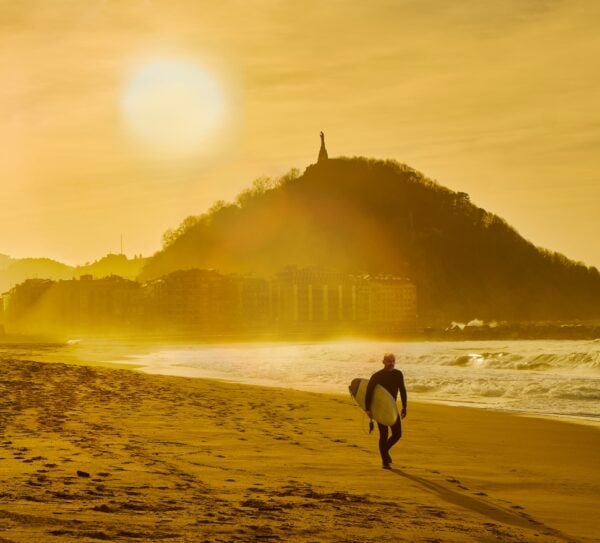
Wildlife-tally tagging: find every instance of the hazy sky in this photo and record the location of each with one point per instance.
(496, 98)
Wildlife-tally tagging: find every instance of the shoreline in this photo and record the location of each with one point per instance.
(570, 419)
(175, 459)
(55, 352)
(518, 331)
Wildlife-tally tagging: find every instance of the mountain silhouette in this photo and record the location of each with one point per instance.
(15, 271)
(359, 215)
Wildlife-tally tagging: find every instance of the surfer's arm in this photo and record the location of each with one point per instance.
(403, 396)
(369, 394)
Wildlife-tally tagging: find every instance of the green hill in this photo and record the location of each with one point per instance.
(15, 271)
(113, 264)
(360, 215)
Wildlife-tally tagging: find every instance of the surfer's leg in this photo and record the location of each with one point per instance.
(383, 444)
(396, 435)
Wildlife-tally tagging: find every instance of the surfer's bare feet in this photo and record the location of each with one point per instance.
(387, 465)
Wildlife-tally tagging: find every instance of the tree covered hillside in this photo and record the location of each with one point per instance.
(15, 271)
(360, 215)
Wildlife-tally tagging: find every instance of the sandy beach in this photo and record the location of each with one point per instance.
(99, 454)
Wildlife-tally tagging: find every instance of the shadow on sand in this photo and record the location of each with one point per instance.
(494, 512)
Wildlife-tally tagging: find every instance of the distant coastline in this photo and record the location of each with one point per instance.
(515, 331)
(503, 331)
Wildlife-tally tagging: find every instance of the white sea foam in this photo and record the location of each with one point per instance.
(559, 378)
(538, 377)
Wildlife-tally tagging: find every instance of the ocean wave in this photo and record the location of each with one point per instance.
(581, 393)
(420, 388)
(549, 377)
(538, 362)
(461, 361)
(543, 394)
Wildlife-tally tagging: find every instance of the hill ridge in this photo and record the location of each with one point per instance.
(381, 216)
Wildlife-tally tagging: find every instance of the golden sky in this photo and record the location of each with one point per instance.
(496, 98)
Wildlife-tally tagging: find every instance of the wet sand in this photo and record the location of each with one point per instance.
(97, 454)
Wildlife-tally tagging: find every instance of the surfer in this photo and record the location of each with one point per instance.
(393, 381)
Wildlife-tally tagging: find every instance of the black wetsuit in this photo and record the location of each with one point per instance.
(393, 382)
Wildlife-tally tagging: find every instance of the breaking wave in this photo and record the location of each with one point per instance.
(538, 377)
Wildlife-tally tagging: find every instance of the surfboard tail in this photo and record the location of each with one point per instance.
(353, 388)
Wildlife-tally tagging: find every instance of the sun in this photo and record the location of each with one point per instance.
(174, 107)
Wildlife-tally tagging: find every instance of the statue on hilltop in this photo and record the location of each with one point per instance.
(322, 151)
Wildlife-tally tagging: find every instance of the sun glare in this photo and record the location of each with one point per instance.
(174, 107)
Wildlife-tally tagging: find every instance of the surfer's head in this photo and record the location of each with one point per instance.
(389, 361)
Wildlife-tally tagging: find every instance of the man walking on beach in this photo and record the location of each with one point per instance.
(393, 381)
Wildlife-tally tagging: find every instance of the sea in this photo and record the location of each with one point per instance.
(541, 378)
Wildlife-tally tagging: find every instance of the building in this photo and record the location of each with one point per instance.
(190, 301)
(84, 305)
(334, 302)
(206, 303)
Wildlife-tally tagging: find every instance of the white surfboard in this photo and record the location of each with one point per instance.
(383, 405)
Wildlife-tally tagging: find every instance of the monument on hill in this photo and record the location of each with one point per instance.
(322, 151)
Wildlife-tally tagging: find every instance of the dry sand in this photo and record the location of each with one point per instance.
(95, 454)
